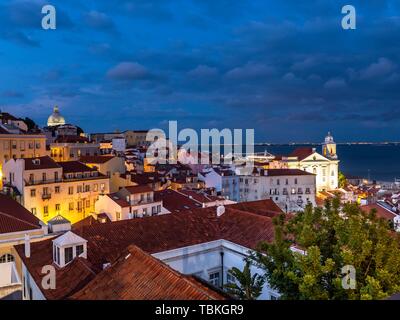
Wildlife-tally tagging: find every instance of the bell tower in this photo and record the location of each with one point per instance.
(329, 147)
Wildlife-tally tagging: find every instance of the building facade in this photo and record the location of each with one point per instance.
(50, 188)
(290, 189)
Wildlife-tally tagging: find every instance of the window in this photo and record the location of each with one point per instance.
(58, 207)
(57, 189)
(144, 211)
(44, 176)
(79, 189)
(295, 181)
(37, 145)
(214, 278)
(71, 206)
(154, 210)
(95, 187)
(118, 216)
(87, 188)
(135, 213)
(34, 212)
(55, 176)
(87, 203)
(45, 211)
(230, 278)
(6, 258)
(79, 206)
(71, 190)
(68, 255)
(79, 250)
(158, 208)
(33, 193)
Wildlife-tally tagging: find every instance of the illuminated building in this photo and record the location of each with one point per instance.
(55, 119)
(50, 188)
(71, 148)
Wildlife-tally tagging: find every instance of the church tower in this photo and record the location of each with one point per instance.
(329, 147)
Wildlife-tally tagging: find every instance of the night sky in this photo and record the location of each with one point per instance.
(285, 68)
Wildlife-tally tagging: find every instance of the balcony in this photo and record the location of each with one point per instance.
(46, 196)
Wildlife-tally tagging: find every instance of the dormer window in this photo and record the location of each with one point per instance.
(68, 247)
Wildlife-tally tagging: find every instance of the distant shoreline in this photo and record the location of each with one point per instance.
(393, 143)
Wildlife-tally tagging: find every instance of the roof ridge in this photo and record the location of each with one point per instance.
(15, 218)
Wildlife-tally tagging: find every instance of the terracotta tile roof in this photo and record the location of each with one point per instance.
(107, 241)
(14, 217)
(96, 159)
(381, 212)
(200, 196)
(74, 167)
(88, 221)
(139, 276)
(138, 189)
(287, 172)
(302, 152)
(265, 207)
(71, 139)
(176, 202)
(118, 200)
(40, 163)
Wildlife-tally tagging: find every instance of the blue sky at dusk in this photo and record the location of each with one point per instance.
(285, 68)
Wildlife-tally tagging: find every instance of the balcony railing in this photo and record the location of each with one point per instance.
(46, 196)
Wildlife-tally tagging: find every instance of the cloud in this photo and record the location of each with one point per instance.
(203, 71)
(378, 69)
(128, 71)
(335, 83)
(99, 20)
(250, 70)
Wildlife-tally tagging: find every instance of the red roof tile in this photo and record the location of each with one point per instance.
(14, 217)
(381, 212)
(40, 163)
(139, 276)
(302, 152)
(96, 159)
(107, 241)
(287, 172)
(74, 167)
(138, 189)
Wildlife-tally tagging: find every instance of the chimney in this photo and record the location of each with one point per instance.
(220, 211)
(27, 246)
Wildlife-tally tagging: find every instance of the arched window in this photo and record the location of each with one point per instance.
(6, 258)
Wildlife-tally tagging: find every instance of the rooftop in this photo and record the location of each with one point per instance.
(108, 241)
(125, 280)
(15, 218)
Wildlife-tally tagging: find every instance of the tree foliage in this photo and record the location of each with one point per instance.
(247, 286)
(331, 238)
(342, 180)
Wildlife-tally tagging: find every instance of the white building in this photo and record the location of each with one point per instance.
(224, 180)
(128, 203)
(290, 189)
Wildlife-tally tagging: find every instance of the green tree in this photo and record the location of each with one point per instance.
(31, 124)
(328, 239)
(247, 286)
(342, 180)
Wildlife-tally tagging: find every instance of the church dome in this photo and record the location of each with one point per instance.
(55, 118)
